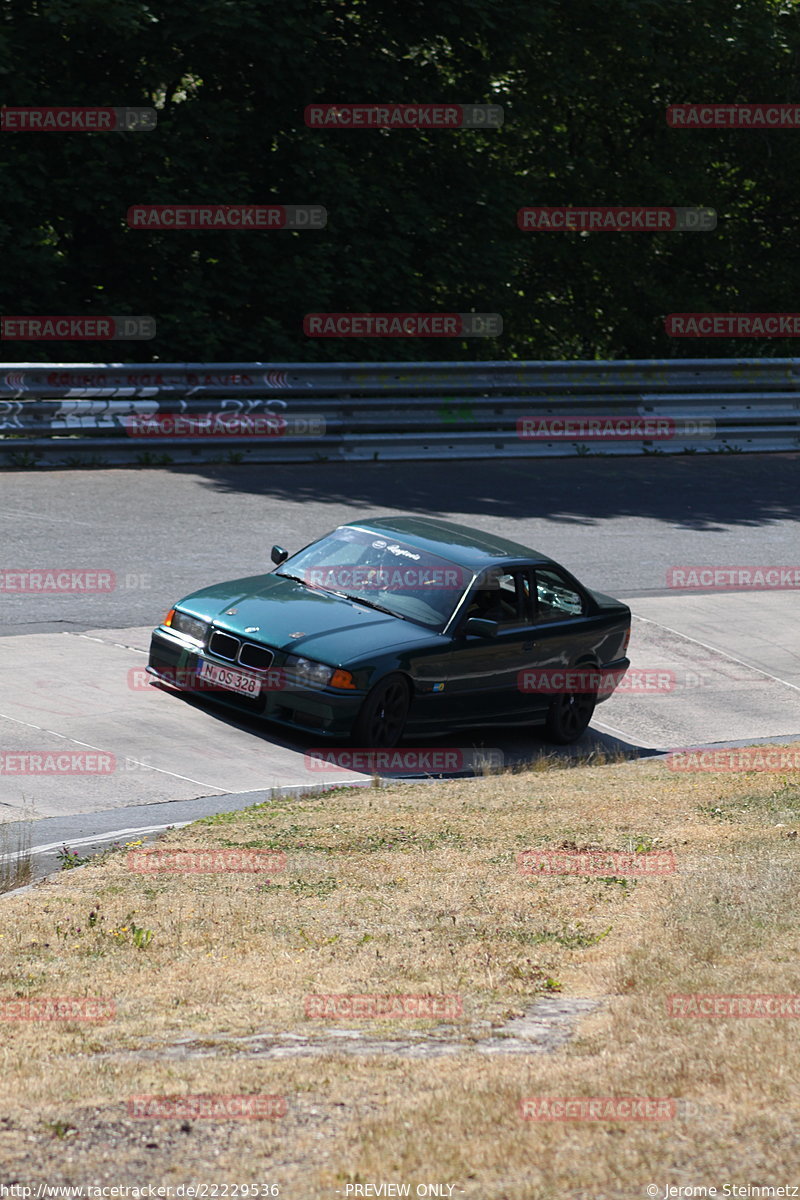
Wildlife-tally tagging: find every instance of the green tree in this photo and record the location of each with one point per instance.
(418, 221)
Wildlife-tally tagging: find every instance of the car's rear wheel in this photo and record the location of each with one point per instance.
(383, 714)
(568, 716)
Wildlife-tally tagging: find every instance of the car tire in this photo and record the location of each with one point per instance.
(568, 716)
(383, 715)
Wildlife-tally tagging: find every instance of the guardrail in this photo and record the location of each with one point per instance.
(113, 414)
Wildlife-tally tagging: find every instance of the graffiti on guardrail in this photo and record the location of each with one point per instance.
(406, 411)
(11, 414)
(709, 375)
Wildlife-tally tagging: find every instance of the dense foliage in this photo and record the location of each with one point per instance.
(417, 221)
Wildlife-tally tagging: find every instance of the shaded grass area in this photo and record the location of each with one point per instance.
(414, 890)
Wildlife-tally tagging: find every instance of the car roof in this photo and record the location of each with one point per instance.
(472, 548)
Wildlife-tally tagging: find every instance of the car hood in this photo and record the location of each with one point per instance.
(298, 620)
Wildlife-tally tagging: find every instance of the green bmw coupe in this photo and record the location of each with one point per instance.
(400, 627)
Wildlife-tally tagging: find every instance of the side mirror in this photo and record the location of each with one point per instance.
(481, 627)
(279, 555)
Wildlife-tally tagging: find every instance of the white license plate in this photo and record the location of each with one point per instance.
(230, 678)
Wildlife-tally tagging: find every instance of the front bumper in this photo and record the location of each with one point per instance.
(328, 712)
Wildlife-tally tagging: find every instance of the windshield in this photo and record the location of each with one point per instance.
(404, 580)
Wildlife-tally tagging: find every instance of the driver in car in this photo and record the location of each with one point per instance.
(487, 602)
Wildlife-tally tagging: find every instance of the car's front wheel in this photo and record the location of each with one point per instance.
(383, 714)
(568, 716)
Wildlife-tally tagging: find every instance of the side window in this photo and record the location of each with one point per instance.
(503, 597)
(555, 598)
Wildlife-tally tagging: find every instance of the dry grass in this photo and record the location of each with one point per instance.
(414, 889)
(15, 852)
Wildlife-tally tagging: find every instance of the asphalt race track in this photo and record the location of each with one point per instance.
(710, 667)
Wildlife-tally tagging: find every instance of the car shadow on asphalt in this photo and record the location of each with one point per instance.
(465, 754)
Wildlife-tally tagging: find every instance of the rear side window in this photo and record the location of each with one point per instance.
(556, 599)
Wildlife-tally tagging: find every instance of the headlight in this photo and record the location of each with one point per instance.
(314, 674)
(190, 627)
